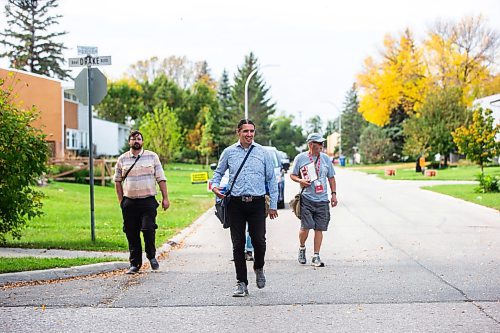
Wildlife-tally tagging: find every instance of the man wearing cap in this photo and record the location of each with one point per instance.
(313, 170)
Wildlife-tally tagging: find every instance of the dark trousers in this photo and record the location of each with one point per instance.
(140, 215)
(254, 213)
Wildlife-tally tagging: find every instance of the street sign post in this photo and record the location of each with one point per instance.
(90, 87)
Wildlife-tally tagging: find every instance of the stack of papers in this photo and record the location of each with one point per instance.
(308, 172)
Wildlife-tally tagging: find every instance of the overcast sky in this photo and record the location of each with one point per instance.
(318, 45)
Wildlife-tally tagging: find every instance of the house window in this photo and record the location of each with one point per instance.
(84, 140)
(72, 139)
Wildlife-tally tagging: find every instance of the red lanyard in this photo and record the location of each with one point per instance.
(316, 165)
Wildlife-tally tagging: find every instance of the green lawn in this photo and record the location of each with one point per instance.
(9, 265)
(466, 192)
(66, 223)
(453, 173)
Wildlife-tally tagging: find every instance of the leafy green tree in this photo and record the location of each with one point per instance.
(353, 122)
(164, 91)
(207, 144)
(260, 107)
(375, 146)
(285, 136)
(23, 158)
(202, 104)
(477, 140)
(30, 45)
(123, 102)
(162, 133)
(429, 131)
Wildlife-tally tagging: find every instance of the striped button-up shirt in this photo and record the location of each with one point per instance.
(141, 180)
(255, 174)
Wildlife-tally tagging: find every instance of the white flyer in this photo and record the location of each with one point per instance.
(308, 172)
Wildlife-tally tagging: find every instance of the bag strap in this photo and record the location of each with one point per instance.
(126, 173)
(238, 172)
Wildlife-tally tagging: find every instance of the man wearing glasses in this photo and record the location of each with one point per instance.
(313, 170)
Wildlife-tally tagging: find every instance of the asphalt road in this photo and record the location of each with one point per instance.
(398, 259)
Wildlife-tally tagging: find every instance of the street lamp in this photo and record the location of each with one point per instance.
(252, 73)
(340, 125)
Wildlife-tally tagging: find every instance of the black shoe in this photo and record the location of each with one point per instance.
(133, 270)
(248, 256)
(260, 278)
(154, 264)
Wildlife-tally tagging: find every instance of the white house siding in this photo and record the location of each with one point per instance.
(108, 137)
(493, 103)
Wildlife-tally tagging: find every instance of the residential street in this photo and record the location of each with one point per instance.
(398, 259)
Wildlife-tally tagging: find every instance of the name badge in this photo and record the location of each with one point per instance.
(318, 187)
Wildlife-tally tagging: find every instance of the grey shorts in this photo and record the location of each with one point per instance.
(314, 215)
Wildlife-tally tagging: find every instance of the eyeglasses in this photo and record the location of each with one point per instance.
(318, 143)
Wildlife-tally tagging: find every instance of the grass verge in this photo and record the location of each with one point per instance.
(466, 192)
(19, 264)
(66, 223)
(454, 173)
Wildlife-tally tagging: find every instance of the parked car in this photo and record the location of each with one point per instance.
(285, 161)
(279, 173)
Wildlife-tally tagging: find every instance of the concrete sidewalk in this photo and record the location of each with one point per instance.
(85, 270)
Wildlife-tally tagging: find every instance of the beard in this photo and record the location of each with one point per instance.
(136, 146)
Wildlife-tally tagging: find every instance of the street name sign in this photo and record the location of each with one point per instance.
(87, 50)
(90, 61)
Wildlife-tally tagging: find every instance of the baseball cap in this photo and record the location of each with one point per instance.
(315, 137)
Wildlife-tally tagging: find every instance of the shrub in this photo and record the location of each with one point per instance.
(23, 158)
(487, 183)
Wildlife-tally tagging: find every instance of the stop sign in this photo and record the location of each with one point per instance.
(98, 86)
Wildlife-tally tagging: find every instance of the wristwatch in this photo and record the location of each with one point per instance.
(334, 193)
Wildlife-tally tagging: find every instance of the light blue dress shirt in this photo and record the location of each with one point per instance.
(257, 171)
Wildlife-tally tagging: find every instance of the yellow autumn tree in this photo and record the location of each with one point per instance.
(399, 80)
(461, 54)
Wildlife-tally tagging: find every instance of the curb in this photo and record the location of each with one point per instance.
(61, 273)
(105, 267)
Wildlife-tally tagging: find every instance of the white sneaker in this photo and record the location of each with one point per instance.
(316, 262)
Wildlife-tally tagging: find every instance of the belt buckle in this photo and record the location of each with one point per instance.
(246, 198)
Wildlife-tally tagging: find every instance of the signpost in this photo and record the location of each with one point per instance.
(90, 88)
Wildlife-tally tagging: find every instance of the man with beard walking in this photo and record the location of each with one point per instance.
(136, 175)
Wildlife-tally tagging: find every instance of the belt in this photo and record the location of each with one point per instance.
(248, 198)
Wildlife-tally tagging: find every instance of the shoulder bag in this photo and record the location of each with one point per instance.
(295, 202)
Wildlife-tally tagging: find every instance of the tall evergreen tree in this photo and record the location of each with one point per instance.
(30, 46)
(225, 136)
(353, 122)
(260, 107)
(314, 125)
